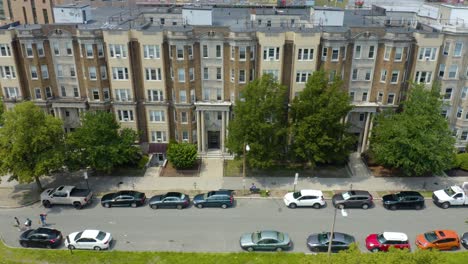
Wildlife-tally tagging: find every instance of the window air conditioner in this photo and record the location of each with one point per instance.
(8, 76)
(158, 140)
(125, 119)
(117, 55)
(151, 56)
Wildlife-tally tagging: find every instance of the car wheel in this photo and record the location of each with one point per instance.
(97, 248)
(393, 207)
(77, 206)
(179, 207)
(250, 249)
(107, 205)
(375, 250)
(365, 206)
(418, 207)
(292, 205)
(24, 244)
(317, 206)
(71, 247)
(340, 206)
(154, 206)
(200, 206)
(133, 205)
(224, 206)
(445, 205)
(279, 249)
(46, 204)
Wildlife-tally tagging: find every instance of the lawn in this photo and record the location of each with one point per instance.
(31, 256)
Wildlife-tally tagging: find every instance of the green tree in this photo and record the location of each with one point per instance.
(318, 131)
(182, 156)
(31, 143)
(1, 113)
(417, 140)
(99, 144)
(260, 120)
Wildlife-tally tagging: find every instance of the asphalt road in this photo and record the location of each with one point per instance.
(218, 230)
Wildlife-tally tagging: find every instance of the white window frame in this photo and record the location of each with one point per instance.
(354, 74)
(391, 95)
(242, 53)
(40, 49)
(398, 51)
(157, 116)
(383, 76)
(387, 53)
(271, 53)
(117, 51)
(125, 115)
(103, 71)
(357, 51)
(242, 76)
(116, 71)
(155, 95)
(453, 71)
(89, 50)
(44, 71)
(153, 74)
(92, 72)
(122, 95)
(371, 51)
(5, 50)
(457, 51)
(337, 50)
(181, 75)
(34, 74)
(151, 52)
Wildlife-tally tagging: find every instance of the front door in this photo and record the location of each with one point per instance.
(213, 139)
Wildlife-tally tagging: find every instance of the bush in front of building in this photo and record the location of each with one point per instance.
(461, 161)
(182, 155)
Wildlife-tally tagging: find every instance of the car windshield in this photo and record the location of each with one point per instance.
(296, 195)
(256, 237)
(323, 238)
(78, 235)
(101, 235)
(430, 236)
(182, 196)
(346, 195)
(280, 236)
(449, 191)
(381, 239)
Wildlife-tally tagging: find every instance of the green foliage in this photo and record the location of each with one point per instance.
(142, 162)
(318, 133)
(1, 113)
(261, 122)
(31, 143)
(461, 161)
(99, 144)
(417, 140)
(183, 155)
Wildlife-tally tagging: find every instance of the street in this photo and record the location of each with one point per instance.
(218, 230)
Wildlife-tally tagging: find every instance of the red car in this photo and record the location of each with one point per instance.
(382, 242)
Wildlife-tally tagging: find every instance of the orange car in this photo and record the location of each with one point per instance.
(438, 239)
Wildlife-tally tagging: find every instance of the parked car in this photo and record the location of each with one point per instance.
(89, 239)
(170, 200)
(41, 237)
(358, 199)
(68, 195)
(265, 240)
(464, 240)
(312, 198)
(406, 199)
(220, 198)
(319, 242)
(438, 239)
(454, 195)
(123, 198)
(385, 240)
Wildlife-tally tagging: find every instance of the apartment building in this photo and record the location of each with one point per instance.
(175, 72)
(29, 11)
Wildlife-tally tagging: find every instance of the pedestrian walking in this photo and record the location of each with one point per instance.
(17, 222)
(42, 217)
(28, 223)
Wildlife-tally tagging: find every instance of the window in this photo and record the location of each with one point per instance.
(398, 54)
(448, 93)
(6, 52)
(302, 76)
(40, 49)
(252, 74)
(354, 75)
(190, 52)
(103, 69)
(335, 54)
(37, 93)
(274, 73)
(192, 97)
(464, 93)
(427, 54)
(233, 76)
(383, 75)
(56, 48)
(76, 92)
(117, 51)
(388, 50)
(205, 74)
(391, 99)
(219, 75)
(153, 74)
(324, 53)
(11, 92)
(158, 136)
(332, 75)
(242, 76)
(92, 73)
(122, 95)
(205, 51)
(305, 54)
(59, 70)
(181, 75)
(423, 77)
(185, 136)
(464, 135)
(364, 97)
(119, 73)
(453, 71)
(191, 74)
(157, 116)
(69, 48)
(96, 94)
(233, 52)
(368, 75)
(371, 52)
(151, 51)
(89, 50)
(271, 53)
(183, 118)
(242, 53)
(459, 112)
(446, 48)
(155, 95)
(182, 96)
(218, 51)
(44, 72)
(8, 72)
(219, 93)
(106, 93)
(29, 50)
(395, 75)
(457, 52)
(34, 72)
(172, 72)
(72, 71)
(444, 113)
(351, 96)
(252, 53)
(357, 52)
(125, 115)
(180, 52)
(441, 70)
(379, 97)
(206, 94)
(100, 48)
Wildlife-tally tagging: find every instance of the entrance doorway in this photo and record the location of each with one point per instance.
(213, 139)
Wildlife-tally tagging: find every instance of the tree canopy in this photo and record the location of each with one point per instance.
(31, 143)
(418, 139)
(317, 113)
(260, 120)
(99, 144)
(183, 155)
(1, 113)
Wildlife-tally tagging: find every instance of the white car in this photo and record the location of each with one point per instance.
(88, 239)
(312, 198)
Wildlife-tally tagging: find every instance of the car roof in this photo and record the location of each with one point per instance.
(395, 236)
(412, 193)
(89, 233)
(358, 192)
(45, 230)
(173, 194)
(269, 234)
(446, 233)
(222, 192)
(311, 192)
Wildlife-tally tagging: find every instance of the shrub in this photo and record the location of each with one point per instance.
(142, 162)
(182, 156)
(462, 161)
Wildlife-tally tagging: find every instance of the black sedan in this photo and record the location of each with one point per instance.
(170, 200)
(41, 237)
(406, 199)
(123, 198)
(319, 242)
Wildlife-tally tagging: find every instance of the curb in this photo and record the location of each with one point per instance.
(19, 206)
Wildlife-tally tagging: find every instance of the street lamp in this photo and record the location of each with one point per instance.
(330, 239)
(245, 149)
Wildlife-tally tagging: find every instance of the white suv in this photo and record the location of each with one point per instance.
(312, 198)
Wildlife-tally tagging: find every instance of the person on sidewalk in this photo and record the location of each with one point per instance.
(254, 189)
(43, 219)
(28, 223)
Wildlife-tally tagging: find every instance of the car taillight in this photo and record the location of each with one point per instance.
(231, 199)
(186, 202)
(105, 243)
(371, 198)
(52, 241)
(321, 198)
(85, 199)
